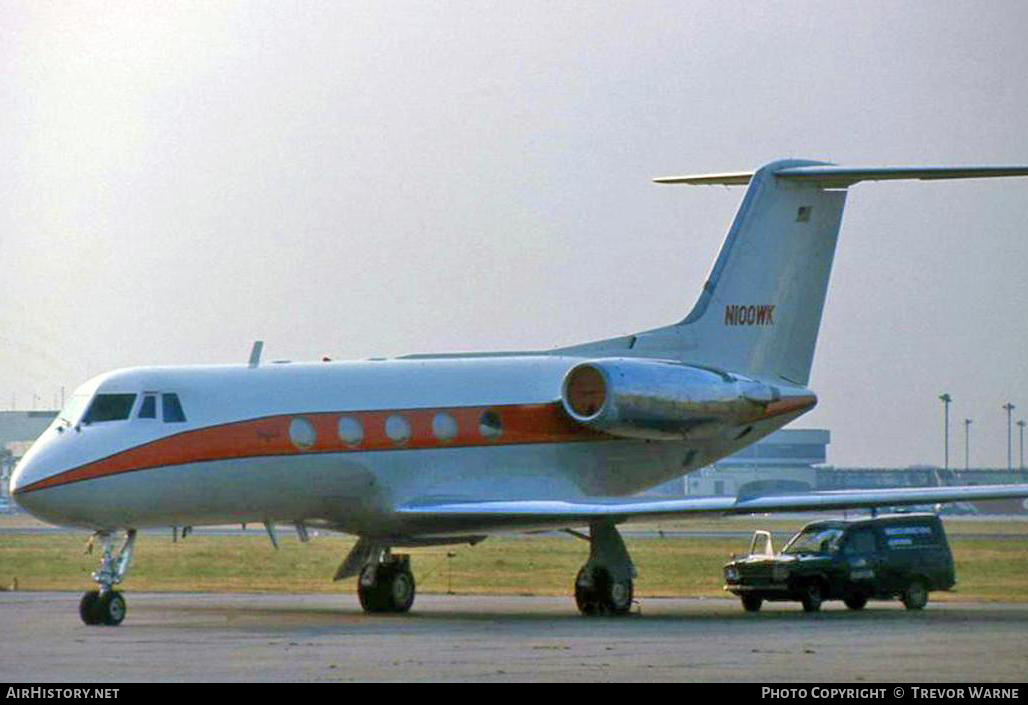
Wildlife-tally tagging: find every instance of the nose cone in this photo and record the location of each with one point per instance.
(21, 477)
(16, 482)
(35, 467)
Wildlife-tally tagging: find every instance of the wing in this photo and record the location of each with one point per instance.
(436, 516)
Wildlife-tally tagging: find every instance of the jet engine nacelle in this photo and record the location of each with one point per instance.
(660, 400)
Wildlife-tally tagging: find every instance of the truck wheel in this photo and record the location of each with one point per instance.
(856, 602)
(915, 597)
(812, 597)
(752, 603)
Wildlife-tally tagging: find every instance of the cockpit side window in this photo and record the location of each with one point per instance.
(172, 409)
(109, 407)
(148, 409)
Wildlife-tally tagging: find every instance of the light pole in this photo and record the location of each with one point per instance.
(946, 399)
(967, 444)
(1020, 426)
(1010, 463)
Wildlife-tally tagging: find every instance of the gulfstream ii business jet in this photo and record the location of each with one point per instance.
(446, 449)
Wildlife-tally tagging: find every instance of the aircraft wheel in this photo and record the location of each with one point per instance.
(87, 607)
(752, 603)
(585, 597)
(813, 596)
(401, 589)
(110, 608)
(393, 589)
(604, 596)
(915, 597)
(856, 602)
(369, 589)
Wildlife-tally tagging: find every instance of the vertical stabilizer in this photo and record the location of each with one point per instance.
(760, 309)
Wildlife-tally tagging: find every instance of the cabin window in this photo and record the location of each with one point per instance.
(172, 409)
(350, 431)
(148, 409)
(444, 427)
(302, 434)
(109, 407)
(398, 429)
(490, 426)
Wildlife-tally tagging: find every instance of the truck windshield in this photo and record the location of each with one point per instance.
(815, 539)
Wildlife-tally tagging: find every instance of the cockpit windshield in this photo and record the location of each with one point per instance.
(109, 407)
(814, 539)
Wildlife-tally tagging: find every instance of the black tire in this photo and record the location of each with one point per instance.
(372, 597)
(605, 596)
(87, 607)
(812, 597)
(752, 603)
(111, 608)
(585, 596)
(856, 602)
(619, 596)
(401, 590)
(915, 596)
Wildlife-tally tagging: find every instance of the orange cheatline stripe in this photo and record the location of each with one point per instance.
(521, 423)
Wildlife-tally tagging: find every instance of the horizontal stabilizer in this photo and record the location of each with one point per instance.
(732, 178)
(541, 514)
(831, 176)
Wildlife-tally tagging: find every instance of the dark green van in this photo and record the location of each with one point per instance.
(879, 558)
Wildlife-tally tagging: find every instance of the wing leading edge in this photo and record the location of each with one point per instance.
(434, 516)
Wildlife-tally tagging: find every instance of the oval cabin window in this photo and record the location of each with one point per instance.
(302, 434)
(398, 429)
(444, 427)
(350, 431)
(490, 426)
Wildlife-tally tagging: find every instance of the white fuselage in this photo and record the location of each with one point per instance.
(339, 444)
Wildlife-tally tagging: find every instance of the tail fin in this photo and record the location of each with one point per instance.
(760, 309)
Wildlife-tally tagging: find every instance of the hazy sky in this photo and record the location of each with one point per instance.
(377, 178)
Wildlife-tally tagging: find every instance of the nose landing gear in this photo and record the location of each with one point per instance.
(107, 605)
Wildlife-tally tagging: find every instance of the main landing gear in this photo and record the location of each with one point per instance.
(387, 585)
(385, 582)
(604, 584)
(107, 605)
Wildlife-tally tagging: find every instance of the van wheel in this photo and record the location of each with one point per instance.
(812, 597)
(856, 602)
(752, 603)
(915, 597)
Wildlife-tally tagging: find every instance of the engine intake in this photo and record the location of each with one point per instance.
(660, 400)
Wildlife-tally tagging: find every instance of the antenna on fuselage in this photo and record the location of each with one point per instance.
(255, 353)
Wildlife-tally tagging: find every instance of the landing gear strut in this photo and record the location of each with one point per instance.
(387, 585)
(604, 584)
(107, 605)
